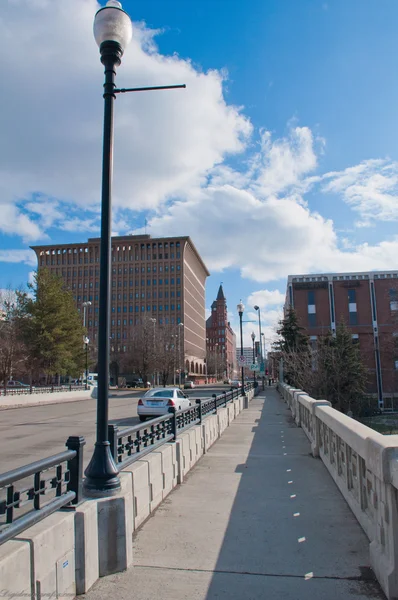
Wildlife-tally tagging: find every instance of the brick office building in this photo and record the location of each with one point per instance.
(163, 278)
(221, 339)
(368, 304)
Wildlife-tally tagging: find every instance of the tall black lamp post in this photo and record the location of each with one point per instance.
(253, 336)
(262, 358)
(241, 308)
(112, 32)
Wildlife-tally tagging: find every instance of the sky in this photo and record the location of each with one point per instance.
(280, 157)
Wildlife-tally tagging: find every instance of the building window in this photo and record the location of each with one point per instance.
(352, 308)
(355, 338)
(312, 319)
(393, 300)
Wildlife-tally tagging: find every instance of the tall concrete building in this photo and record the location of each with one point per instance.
(368, 304)
(221, 339)
(163, 278)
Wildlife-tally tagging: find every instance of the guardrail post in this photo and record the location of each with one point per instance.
(174, 422)
(199, 402)
(113, 431)
(225, 398)
(215, 402)
(75, 467)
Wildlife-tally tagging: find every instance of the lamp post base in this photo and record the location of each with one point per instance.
(102, 476)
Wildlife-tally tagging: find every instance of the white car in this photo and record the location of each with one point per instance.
(157, 402)
(235, 383)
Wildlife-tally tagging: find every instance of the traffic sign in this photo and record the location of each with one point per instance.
(254, 367)
(242, 361)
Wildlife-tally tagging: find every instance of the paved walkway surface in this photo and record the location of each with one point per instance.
(258, 517)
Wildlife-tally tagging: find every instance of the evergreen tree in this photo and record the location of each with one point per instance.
(291, 333)
(51, 327)
(344, 375)
(294, 349)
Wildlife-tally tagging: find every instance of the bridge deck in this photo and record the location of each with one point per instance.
(256, 518)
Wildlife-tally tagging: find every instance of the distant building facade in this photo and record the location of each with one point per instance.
(368, 304)
(163, 278)
(220, 339)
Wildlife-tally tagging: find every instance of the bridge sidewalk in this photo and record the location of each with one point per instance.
(258, 517)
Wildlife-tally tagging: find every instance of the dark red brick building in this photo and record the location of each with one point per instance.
(220, 340)
(368, 304)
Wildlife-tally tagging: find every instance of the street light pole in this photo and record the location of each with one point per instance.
(112, 32)
(241, 308)
(154, 346)
(253, 336)
(85, 343)
(180, 326)
(215, 360)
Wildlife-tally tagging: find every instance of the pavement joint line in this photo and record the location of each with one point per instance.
(255, 573)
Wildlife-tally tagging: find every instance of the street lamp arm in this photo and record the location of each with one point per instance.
(148, 89)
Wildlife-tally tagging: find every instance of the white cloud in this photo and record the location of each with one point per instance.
(266, 298)
(370, 189)
(17, 256)
(164, 141)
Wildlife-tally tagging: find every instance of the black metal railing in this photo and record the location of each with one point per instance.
(57, 482)
(43, 389)
(131, 443)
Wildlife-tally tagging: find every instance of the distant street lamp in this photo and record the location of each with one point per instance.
(154, 346)
(215, 360)
(180, 326)
(85, 344)
(241, 308)
(253, 336)
(259, 329)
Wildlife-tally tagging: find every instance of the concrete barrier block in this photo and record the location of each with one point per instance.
(180, 461)
(169, 467)
(237, 406)
(140, 489)
(52, 544)
(231, 413)
(86, 544)
(193, 447)
(184, 439)
(240, 403)
(15, 570)
(115, 529)
(199, 441)
(154, 461)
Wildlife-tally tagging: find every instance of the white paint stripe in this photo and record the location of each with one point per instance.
(293, 496)
(290, 481)
(288, 470)
(296, 514)
(301, 540)
(308, 576)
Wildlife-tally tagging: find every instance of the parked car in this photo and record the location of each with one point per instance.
(17, 384)
(189, 385)
(135, 383)
(235, 383)
(159, 401)
(227, 381)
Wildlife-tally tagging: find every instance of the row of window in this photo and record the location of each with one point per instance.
(352, 306)
(90, 260)
(136, 308)
(124, 284)
(85, 249)
(155, 295)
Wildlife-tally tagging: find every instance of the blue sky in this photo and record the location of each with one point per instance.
(280, 156)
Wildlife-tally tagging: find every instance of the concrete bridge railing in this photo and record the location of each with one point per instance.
(364, 465)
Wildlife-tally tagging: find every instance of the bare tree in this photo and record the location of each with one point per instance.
(13, 354)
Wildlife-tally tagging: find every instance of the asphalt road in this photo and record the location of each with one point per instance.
(31, 433)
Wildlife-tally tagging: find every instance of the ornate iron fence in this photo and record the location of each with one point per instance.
(57, 482)
(131, 443)
(45, 389)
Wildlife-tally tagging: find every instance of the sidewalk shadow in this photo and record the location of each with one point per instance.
(262, 556)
